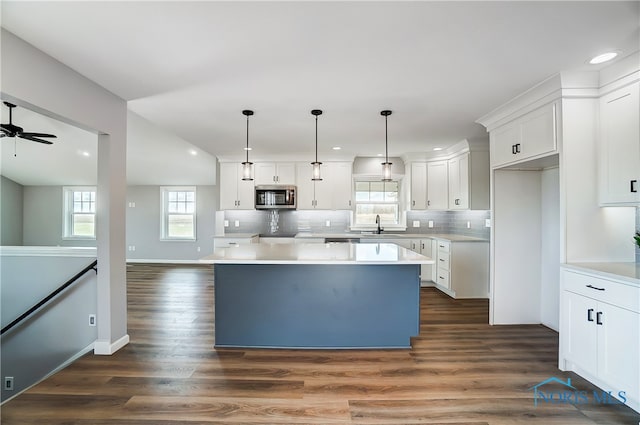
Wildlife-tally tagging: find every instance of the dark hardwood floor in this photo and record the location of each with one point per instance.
(459, 371)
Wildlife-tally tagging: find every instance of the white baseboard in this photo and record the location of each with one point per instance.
(106, 348)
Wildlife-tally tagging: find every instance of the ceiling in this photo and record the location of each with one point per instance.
(190, 68)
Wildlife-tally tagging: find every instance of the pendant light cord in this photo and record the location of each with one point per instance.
(247, 138)
(386, 143)
(316, 138)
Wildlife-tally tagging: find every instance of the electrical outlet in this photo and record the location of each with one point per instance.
(132, 204)
(236, 223)
(8, 383)
(132, 247)
(92, 320)
(198, 249)
(226, 223)
(327, 223)
(416, 223)
(468, 225)
(431, 223)
(487, 222)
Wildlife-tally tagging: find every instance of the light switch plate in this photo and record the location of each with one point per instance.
(487, 222)
(327, 223)
(236, 223)
(416, 223)
(468, 225)
(430, 223)
(226, 223)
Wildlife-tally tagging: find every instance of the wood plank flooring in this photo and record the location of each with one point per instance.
(459, 371)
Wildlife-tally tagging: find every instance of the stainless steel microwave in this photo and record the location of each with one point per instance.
(276, 197)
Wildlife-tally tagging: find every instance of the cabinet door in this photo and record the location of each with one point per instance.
(502, 141)
(229, 186)
(418, 185)
(246, 193)
(618, 350)
(286, 173)
(581, 341)
(426, 270)
(538, 132)
(459, 182)
(339, 175)
(437, 185)
(305, 186)
(620, 146)
(265, 172)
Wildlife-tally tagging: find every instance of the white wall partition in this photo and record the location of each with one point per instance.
(34, 80)
(60, 331)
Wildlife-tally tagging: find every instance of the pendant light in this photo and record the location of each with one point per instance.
(246, 166)
(315, 175)
(386, 165)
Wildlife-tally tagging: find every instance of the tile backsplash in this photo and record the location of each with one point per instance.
(288, 223)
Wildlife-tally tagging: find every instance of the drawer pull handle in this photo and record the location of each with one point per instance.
(595, 287)
(634, 186)
(599, 318)
(441, 277)
(590, 315)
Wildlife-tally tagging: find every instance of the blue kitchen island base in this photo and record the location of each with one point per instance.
(346, 306)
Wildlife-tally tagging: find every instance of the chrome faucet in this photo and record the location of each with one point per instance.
(380, 229)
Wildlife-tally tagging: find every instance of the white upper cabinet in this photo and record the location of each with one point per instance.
(275, 173)
(340, 176)
(235, 193)
(619, 147)
(531, 136)
(437, 185)
(418, 185)
(459, 182)
(333, 192)
(469, 181)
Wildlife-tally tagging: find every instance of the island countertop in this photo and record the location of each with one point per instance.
(316, 253)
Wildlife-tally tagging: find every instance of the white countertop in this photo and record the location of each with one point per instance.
(316, 253)
(443, 236)
(628, 272)
(237, 236)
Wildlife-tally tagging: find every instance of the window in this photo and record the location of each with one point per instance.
(178, 213)
(377, 198)
(80, 212)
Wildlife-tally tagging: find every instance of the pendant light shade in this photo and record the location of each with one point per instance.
(386, 165)
(315, 174)
(246, 166)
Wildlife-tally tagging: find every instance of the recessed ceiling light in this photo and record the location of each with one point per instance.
(84, 153)
(380, 154)
(336, 148)
(603, 58)
(247, 149)
(437, 149)
(193, 152)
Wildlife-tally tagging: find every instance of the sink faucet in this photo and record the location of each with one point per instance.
(380, 229)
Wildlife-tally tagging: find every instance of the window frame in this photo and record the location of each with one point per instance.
(398, 225)
(68, 212)
(164, 212)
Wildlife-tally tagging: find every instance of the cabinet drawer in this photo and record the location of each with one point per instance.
(443, 260)
(604, 290)
(442, 278)
(444, 246)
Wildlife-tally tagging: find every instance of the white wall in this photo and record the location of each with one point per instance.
(143, 226)
(11, 194)
(550, 248)
(32, 79)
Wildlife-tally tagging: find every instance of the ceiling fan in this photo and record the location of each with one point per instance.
(11, 130)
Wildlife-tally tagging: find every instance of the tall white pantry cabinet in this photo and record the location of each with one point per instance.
(565, 161)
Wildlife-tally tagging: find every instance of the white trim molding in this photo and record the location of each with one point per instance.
(106, 348)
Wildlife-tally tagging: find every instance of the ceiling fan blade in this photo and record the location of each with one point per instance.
(3, 135)
(28, 134)
(34, 139)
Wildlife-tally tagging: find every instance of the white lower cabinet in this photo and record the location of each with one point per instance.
(424, 247)
(600, 333)
(462, 268)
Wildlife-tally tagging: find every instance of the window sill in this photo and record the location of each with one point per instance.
(178, 239)
(78, 238)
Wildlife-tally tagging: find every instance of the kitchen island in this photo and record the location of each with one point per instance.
(334, 295)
